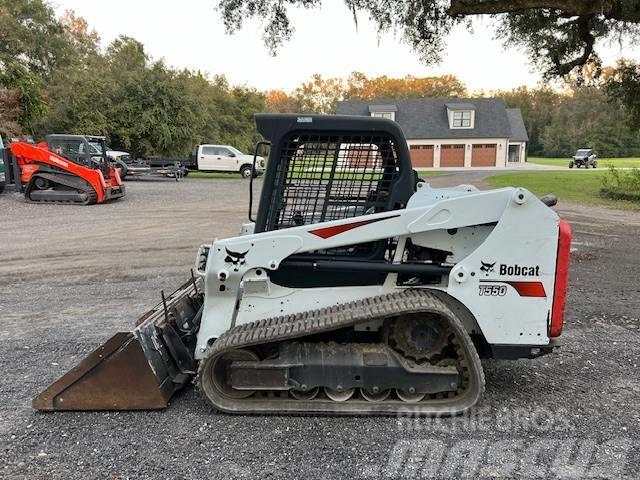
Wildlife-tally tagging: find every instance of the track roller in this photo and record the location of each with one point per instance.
(339, 395)
(378, 396)
(305, 394)
(409, 397)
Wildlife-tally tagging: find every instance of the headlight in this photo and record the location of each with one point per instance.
(262, 163)
(1, 176)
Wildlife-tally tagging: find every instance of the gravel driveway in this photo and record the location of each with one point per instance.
(72, 276)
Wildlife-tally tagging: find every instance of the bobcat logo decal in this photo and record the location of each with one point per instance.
(235, 258)
(487, 267)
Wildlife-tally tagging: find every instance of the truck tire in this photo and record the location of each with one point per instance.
(246, 171)
(123, 168)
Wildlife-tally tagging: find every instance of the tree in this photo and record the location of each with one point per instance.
(278, 101)
(560, 35)
(127, 55)
(224, 114)
(586, 118)
(148, 114)
(9, 112)
(246, 102)
(319, 95)
(30, 92)
(623, 86)
(79, 99)
(537, 106)
(79, 88)
(82, 43)
(32, 45)
(31, 36)
(359, 86)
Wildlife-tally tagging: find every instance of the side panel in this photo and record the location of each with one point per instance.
(226, 162)
(206, 158)
(508, 281)
(515, 265)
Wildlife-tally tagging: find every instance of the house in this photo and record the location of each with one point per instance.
(447, 132)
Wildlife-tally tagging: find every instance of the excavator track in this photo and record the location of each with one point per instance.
(73, 191)
(239, 344)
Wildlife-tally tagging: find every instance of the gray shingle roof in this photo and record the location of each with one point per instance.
(460, 106)
(383, 108)
(426, 118)
(518, 130)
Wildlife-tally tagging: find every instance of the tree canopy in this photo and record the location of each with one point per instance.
(560, 35)
(56, 78)
(320, 95)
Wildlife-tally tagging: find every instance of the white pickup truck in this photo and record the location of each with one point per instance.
(224, 158)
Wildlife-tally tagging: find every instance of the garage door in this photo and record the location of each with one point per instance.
(363, 157)
(421, 156)
(452, 156)
(483, 155)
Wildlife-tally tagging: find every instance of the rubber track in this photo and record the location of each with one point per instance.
(288, 327)
(70, 181)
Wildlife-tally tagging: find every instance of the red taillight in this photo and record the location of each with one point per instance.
(562, 279)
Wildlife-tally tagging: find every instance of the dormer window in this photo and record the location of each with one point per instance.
(461, 115)
(462, 119)
(383, 111)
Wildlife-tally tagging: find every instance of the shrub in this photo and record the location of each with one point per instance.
(621, 185)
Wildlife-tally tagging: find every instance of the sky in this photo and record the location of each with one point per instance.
(190, 34)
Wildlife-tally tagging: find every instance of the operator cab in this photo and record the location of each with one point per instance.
(87, 150)
(332, 167)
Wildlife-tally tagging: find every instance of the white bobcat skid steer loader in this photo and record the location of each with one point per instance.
(357, 290)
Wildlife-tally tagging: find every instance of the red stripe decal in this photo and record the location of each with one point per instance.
(528, 289)
(328, 232)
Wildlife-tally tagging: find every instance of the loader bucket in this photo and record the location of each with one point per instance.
(116, 376)
(137, 370)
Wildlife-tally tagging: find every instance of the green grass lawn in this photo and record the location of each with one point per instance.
(602, 162)
(431, 173)
(575, 186)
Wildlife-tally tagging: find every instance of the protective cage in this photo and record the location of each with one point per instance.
(331, 167)
(324, 177)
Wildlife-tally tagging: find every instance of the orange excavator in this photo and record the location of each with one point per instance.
(65, 169)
